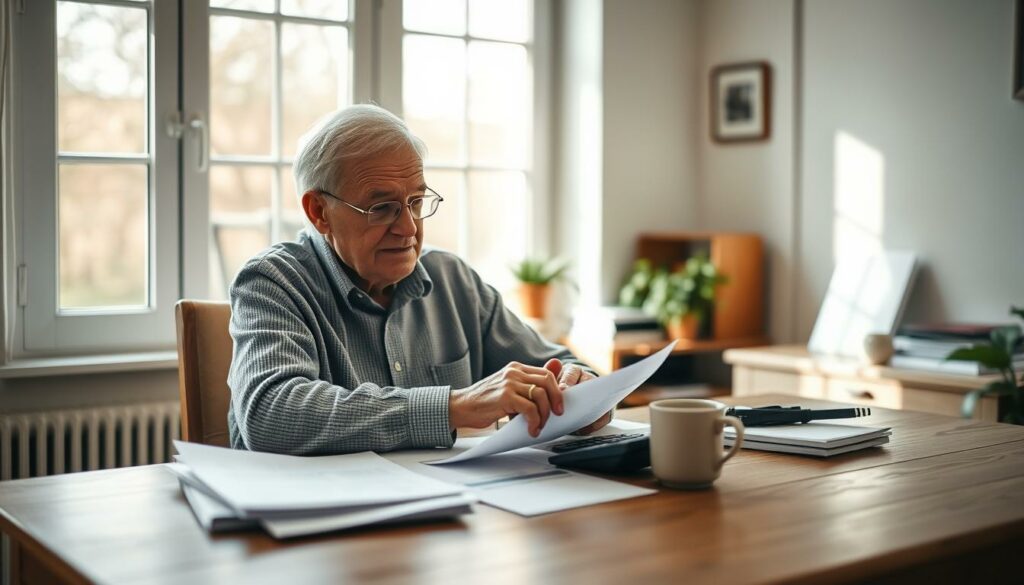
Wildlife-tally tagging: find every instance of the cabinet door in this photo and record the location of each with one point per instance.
(752, 381)
(854, 391)
(948, 403)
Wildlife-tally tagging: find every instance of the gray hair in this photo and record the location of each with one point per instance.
(355, 132)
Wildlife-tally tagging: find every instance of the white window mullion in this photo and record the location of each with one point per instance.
(195, 185)
(276, 97)
(389, 56)
(363, 56)
(35, 137)
(542, 213)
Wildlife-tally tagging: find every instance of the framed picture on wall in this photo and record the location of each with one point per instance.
(1018, 53)
(741, 102)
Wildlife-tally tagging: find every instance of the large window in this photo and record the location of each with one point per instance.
(467, 90)
(272, 74)
(168, 160)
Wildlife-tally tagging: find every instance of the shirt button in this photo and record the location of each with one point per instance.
(398, 366)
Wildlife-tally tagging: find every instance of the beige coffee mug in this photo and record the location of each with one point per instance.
(686, 441)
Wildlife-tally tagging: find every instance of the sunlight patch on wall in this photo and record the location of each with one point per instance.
(858, 198)
(866, 290)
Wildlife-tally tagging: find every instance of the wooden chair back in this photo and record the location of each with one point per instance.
(204, 356)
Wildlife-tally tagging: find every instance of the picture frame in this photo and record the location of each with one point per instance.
(741, 102)
(1018, 52)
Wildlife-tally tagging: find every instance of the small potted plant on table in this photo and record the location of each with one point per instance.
(535, 278)
(682, 300)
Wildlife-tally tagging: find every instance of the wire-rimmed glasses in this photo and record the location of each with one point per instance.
(386, 212)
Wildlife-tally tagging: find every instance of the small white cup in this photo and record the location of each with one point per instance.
(686, 441)
(878, 348)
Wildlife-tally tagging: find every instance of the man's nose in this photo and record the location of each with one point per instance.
(404, 225)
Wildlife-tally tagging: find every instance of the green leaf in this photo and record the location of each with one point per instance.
(993, 388)
(1017, 311)
(1006, 338)
(539, 271)
(987, 355)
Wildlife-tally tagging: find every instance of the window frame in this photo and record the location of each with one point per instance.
(42, 327)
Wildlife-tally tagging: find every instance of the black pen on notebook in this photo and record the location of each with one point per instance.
(787, 415)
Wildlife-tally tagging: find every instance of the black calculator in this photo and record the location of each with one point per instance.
(621, 453)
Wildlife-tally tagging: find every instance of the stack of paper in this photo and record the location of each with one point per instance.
(813, 438)
(293, 496)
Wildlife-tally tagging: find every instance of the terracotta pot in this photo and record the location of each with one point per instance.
(533, 299)
(687, 327)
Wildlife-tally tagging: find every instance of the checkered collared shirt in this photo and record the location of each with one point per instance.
(319, 367)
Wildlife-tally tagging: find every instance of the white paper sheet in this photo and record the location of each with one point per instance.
(553, 494)
(583, 405)
(253, 483)
(431, 508)
(522, 481)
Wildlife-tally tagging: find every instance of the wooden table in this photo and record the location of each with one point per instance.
(944, 502)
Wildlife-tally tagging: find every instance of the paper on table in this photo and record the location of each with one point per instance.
(522, 481)
(252, 482)
(563, 492)
(430, 508)
(215, 516)
(583, 405)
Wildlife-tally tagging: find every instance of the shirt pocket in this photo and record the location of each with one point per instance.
(457, 374)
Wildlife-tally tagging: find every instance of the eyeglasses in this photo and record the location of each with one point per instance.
(386, 212)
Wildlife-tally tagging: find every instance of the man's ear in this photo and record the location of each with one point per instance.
(316, 211)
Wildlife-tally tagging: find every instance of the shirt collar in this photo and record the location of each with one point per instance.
(417, 285)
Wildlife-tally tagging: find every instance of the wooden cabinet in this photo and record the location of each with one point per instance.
(739, 306)
(791, 369)
(738, 318)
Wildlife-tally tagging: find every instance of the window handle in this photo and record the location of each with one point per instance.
(176, 128)
(199, 126)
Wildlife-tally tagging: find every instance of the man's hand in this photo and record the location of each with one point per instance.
(515, 389)
(570, 376)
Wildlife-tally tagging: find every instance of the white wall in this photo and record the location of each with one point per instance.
(898, 121)
(86, 390)
(627, 110)
(577, 194)
(750, 186)
(910, 137)
(651, 97)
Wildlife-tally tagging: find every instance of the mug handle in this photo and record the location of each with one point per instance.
(737, 424)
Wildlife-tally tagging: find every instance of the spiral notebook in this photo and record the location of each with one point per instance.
(818, 439)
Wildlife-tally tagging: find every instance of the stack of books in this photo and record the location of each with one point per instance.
(925, 347)
(290, 496)
(817, 439)
(615, 325)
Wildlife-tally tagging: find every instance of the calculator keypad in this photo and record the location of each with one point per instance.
(591, 441)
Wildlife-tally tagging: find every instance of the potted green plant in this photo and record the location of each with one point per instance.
(638, 284)
(535, 276)
(682, 299)
(998, 355)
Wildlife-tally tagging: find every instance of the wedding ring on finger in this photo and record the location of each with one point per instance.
(529, 393)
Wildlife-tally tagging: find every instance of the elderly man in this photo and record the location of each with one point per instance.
(350, 339)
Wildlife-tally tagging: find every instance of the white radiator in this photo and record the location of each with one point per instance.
(61, 441)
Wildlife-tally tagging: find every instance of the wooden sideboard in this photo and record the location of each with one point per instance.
(791, 369)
